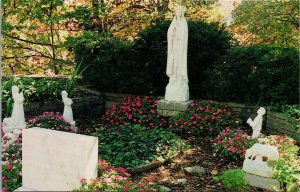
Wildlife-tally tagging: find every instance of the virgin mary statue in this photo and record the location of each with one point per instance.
(177, 88)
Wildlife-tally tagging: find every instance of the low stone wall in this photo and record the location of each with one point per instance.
(82, 106)
(277, 123)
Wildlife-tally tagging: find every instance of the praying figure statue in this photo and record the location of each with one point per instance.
(13, 125)
(68, 113)
(256, 124)
(256, 159)
(177, 88)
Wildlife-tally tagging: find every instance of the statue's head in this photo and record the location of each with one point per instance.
(64, 94)
(261, 111)
(15, 89)
(179, 12)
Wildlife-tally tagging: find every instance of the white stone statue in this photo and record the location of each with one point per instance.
(178, 88)
(256, 124)
(68, 113)
(13, 125)
(254, 162)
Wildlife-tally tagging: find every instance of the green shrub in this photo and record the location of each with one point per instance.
(204, 118)
(233, 180)
(258, 75)
(135, 145)
(139, 66)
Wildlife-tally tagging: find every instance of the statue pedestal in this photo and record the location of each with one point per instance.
(172, 108)
(262, 182)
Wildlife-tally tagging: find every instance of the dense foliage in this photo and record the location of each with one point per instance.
(139, 66)
(135, 145)
(11, 164)
(111, 178)
(51, 120)
(204, 118)
(233, 144)
(34, 90)
(257, 74)
(134, 110)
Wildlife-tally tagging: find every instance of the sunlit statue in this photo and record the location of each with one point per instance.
(178, 88)
(256, 159)
(13, 125)
(256, 124)
(68, 113)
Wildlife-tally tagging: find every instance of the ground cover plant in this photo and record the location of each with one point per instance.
(233, 143)
(112, 178)
(287, 166)
(50, 120)
(134, 145)
(233, 180)
(204, 118)
(11, 163)
(134, 110)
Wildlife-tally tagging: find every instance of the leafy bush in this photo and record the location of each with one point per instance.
(111, 67)
(233, 180)
(204, 118)
(289, 160)
(134, 110)
(11, 164)
(34, 90)
(135, 145)
(257, 74)
(233, 144)
(115, 179)
(139, 66)
(51, 120)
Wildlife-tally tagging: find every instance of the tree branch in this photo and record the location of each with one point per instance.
(26, 41)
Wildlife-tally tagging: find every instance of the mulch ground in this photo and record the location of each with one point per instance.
(200, 154)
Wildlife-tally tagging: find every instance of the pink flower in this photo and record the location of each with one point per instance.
(151, 124)
(125, 188)
(4, 180)
(232, 149)
(3, 189)
(82, 180)
(8, 167)
(141, 190)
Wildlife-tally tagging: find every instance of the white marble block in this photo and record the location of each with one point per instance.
(177, 88)
(254, 162)
(56, 160)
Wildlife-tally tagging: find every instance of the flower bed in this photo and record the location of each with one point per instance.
(11, 164)
(232, 143)
(204, 118)
(115, 179)
(50, 120)
(134, 110)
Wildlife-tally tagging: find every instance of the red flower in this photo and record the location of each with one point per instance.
(4, 180)
(3, 189)
(141, 190)
(125, 188)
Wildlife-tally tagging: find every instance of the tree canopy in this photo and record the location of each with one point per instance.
(268, 22)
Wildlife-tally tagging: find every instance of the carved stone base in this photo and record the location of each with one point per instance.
(172, 108)
(262, 182)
